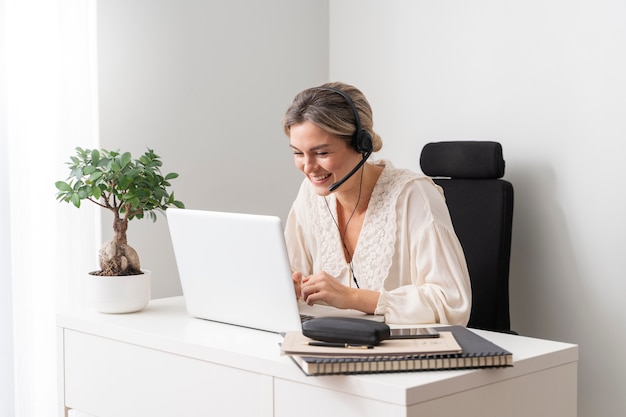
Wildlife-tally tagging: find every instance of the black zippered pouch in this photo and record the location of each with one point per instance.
(346, 330)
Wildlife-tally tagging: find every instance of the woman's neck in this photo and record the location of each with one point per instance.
(359, 189)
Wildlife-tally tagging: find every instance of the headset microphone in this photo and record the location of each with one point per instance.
(336, 185)
(361, 140)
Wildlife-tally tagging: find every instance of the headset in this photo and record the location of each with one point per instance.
(361, 139)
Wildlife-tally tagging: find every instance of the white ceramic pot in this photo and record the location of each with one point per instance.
(126, 294)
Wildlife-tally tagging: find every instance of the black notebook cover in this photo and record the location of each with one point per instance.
(478, 352)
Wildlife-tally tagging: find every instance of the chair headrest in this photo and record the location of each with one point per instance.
(463, 159)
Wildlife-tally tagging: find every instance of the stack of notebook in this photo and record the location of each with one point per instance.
(456, 348)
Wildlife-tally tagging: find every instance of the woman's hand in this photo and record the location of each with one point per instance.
(322, 287)
(297, 283)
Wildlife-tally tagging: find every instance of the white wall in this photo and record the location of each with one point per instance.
(205, 84)
(546, 79)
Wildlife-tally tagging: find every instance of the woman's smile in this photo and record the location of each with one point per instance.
(319, 178)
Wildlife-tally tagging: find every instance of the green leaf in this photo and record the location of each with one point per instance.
(85, 192)
(171, 176)
(95, 157)
(124, 182)
(63, 186)
(126, 158)
(77, 173)
(95, 176)
(75, 200)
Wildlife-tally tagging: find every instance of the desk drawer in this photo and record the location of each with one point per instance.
(108, 378)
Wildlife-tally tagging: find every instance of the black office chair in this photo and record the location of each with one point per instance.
(481, 207)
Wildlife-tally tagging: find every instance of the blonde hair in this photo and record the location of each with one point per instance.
(331, 112)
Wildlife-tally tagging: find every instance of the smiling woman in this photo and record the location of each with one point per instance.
(365, 235)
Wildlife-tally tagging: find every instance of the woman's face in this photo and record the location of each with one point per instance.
(322, 157)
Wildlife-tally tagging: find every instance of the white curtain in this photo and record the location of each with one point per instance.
(6, 311)
(48, 107)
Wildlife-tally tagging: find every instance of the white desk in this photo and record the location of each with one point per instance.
(160, 362)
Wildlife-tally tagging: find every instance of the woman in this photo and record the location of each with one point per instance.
(382, 241)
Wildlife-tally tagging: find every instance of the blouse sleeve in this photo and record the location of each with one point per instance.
(429, 281)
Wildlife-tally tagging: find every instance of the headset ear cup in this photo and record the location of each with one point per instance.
(363, 141)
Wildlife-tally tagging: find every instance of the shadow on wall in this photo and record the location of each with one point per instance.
(542, 257)
(550, 293)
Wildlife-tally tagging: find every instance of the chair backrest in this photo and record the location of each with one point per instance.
(481, 208)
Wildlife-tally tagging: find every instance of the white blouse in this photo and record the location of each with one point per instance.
(407, 249)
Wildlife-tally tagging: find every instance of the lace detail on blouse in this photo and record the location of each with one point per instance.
(375, 248)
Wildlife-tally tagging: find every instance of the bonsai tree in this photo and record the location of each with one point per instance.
(131, 189)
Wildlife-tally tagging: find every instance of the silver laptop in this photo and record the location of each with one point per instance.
(234, 269)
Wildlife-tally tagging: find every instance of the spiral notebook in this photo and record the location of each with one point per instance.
(476, 352)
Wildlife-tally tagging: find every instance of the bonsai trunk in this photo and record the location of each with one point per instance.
(116, 256)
